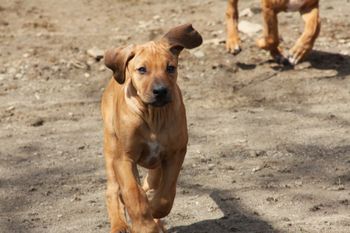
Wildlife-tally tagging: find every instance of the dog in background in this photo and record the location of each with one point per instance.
(144, 124)
(309, 10)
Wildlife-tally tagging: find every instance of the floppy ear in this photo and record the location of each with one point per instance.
(117, 59)
(184, 36)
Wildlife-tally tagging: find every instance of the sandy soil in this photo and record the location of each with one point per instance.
(269, 147)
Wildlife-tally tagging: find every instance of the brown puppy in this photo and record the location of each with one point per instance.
(145, 124)
(310, 13)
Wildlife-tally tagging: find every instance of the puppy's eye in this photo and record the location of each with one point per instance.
(142, 70)
(170, 69)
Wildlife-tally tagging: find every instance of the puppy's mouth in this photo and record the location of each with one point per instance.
(160, 102)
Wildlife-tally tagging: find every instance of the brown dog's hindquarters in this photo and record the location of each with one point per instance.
(145, 124)
(309, 9)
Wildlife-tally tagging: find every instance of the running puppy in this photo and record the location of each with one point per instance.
(145, 124)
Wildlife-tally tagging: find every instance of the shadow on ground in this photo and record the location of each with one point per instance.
(235, 218)
(330, 61)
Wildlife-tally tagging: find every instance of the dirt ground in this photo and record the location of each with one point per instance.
(269, 147)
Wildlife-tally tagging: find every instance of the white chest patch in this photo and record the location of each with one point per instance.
(154, 149)
(295, 5)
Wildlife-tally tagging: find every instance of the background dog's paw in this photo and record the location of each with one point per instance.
(282, 60)
(261, 43)
(233, 47)
(297, 53)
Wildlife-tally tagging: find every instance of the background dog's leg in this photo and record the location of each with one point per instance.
(306, 41)
(270, 40)
(232, 41)
(163, 197)
(135, 199)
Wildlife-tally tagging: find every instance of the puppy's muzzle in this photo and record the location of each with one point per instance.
(161, 95)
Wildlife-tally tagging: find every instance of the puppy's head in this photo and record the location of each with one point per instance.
(152, 67)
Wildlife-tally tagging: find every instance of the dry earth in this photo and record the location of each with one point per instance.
(269, 147)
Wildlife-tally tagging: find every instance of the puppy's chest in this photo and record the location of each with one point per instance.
(151, 154)
(153, 148)
(295, 5)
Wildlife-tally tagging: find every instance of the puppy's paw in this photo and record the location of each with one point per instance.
(120, 230)
(232, 46)
(160, 225)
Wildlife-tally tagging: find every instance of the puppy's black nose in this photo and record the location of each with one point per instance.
(160, 91)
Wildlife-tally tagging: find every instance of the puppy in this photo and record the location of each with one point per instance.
(144, 124)
(309, 10)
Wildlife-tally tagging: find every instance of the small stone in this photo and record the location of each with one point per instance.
(26, 55)
(79, 65)
(257, 153)
(156, 17)
(258, 168)
(298, 183)
(96, 53)
(199, 54)
(246, 13)
(249, 28)
(271, 199)
(18, 76)
(32, 189)
(102, 68)
(211, 166)
(90, 61)
(216, 33)
(215, 41)
(76, 198)
(11, 108)
(316, 208)
(37, 122)
(86, 75)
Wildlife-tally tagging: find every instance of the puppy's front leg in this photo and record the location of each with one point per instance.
(115, 207)
(306, 41)
(232, 41)
(162, 199)
(134, 197)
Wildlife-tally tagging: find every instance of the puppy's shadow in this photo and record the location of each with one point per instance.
(330, 61)
(235, 219)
